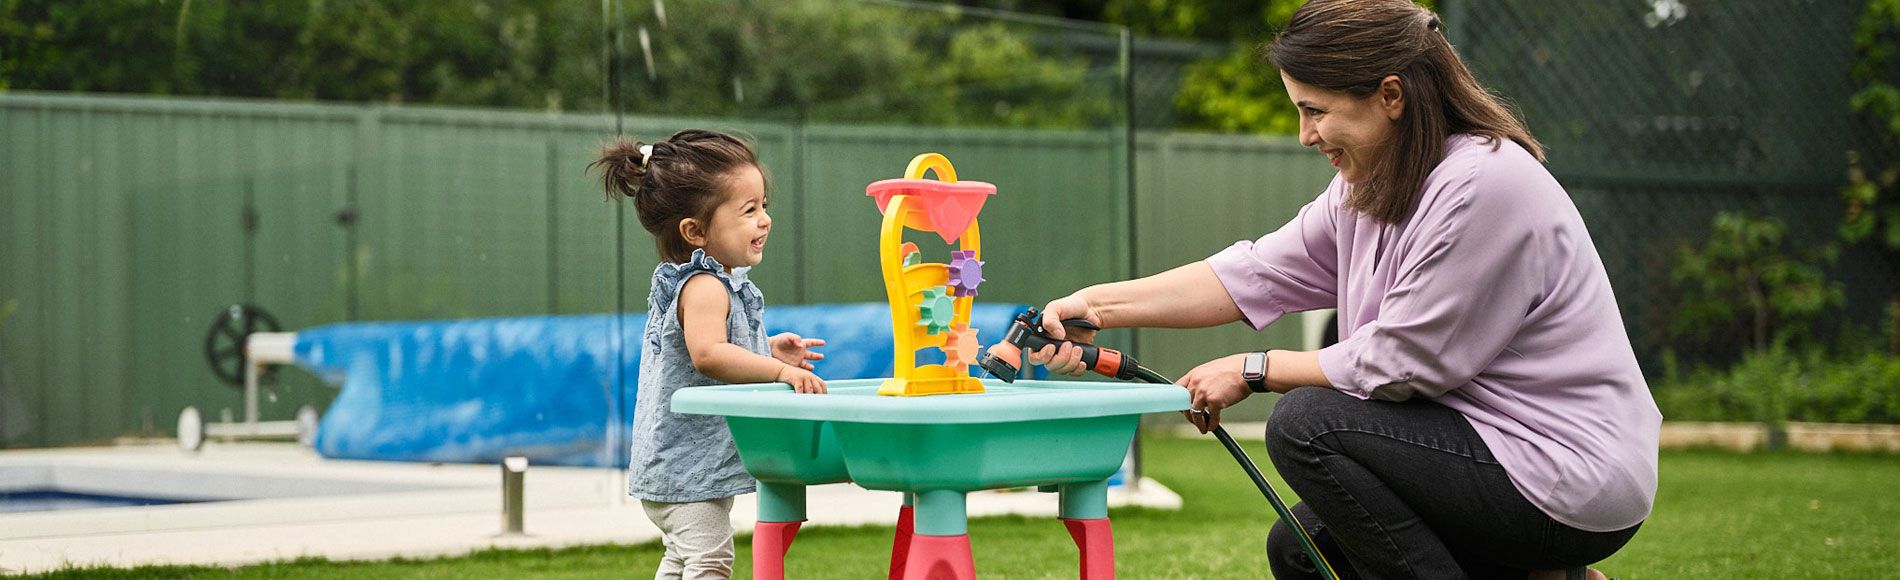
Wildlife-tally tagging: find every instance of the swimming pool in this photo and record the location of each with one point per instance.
(55, 486)
(54, 499)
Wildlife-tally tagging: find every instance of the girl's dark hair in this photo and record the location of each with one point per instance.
(685, 177)
(1350, 46)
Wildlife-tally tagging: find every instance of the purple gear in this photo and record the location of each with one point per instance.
(965, 273)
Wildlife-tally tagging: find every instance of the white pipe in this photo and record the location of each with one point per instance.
(271, 347)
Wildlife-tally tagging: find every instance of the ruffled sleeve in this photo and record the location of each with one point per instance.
(668, 277)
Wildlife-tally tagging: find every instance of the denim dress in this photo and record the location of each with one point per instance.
(688, 458)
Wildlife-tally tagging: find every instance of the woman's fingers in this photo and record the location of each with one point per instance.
(1071, 358)
(1041, 356)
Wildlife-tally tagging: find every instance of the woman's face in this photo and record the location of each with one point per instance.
(1351, 131)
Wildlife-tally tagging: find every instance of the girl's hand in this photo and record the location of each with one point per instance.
(801, 380)
(1213, 386)
(790, 349)
(1065, 359)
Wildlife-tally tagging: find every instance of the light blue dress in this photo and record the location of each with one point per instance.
(687, 458)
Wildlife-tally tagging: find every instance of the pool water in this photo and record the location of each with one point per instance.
(40, 500)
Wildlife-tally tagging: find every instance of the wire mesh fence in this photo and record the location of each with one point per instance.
(1658, 114)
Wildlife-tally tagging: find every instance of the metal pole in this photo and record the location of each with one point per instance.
(251, 371)
(514, 471)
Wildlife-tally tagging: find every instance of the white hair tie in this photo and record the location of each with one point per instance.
(646, 155)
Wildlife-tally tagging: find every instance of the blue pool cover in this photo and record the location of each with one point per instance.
(556, 389)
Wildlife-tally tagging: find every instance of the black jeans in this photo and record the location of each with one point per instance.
(1408, 490)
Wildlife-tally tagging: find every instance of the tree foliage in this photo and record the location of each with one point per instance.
(1746, 280)
(517, 54)
(1873, 206)
(1237, 92)
(816, 59)
(1240, 92)
(872, 64)
(1872, 194)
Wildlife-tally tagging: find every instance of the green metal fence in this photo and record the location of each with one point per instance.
(129, 222)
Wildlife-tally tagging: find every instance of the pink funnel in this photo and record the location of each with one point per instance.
(949, 206)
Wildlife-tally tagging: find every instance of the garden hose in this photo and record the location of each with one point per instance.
(1260, 481)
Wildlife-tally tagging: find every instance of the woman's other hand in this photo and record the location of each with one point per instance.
(1065, 359)
(1213, 386)
(796, 351)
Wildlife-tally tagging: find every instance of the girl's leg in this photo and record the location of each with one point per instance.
(698, 538)
(1409, 490)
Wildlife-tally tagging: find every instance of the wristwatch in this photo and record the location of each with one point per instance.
(1254, 371)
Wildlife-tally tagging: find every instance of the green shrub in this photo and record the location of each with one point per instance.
(1779, 385)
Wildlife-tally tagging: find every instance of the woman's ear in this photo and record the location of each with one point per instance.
(693, 231)
(1392, 96)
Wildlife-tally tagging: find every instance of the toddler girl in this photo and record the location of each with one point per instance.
(702, 194)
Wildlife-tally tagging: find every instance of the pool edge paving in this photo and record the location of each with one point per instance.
(440, 510)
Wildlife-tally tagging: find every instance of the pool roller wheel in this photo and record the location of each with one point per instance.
(224, 343)
(228, 351)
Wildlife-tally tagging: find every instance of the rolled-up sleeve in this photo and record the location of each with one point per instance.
(1293, 269)
(1463, 277)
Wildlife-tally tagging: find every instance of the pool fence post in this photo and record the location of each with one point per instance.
(514, 471)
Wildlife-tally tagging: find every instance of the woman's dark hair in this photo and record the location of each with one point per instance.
(1350, 46)
(685, 177)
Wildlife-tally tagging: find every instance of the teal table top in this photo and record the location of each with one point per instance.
(857, 401)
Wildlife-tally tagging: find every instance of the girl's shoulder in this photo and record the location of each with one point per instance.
(668, 277)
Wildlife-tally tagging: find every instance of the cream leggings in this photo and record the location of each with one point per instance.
(698, 538)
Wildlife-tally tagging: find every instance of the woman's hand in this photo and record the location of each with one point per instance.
(1065, 359)
(801, 380)
(793, 350)
(1213, 386)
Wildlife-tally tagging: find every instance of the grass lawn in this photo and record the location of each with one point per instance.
(1719, 515)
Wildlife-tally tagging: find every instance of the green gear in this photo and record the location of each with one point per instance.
(913, 258)
(938, 310)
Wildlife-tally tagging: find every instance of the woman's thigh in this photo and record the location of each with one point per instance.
(1433, 462)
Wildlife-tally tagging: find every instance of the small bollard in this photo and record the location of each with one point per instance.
(514, 471)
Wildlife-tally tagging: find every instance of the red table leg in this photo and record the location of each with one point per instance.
(940, 558)
(900, 547)
(1097, 544)
(770, 541)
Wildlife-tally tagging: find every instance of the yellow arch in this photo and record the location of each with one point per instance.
(931, 162)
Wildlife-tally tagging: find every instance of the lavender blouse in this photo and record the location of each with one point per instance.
(1491, 300)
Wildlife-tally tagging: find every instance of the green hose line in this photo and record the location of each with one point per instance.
(1240, 455)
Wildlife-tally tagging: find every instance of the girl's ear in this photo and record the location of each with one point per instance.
(693, 231)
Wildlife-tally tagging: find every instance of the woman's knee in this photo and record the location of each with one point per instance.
(1282, 543)
(1286, 557)
(1298, 417)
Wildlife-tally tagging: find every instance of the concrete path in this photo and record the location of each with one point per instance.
(303, 505)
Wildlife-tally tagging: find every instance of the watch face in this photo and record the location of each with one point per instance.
(1255, 366)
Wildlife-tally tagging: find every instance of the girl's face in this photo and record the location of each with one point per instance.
(1351, 131)
(736, 233)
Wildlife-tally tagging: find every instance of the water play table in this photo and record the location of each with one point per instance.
(1071, 435)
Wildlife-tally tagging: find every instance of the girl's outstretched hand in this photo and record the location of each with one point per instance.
(794, 350)
(801, 380)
